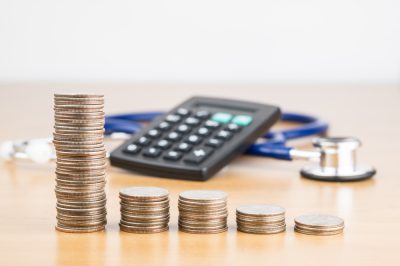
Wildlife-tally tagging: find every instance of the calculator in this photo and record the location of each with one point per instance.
(195, 139)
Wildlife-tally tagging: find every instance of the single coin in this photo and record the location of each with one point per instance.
(210, 206)
(319, 220)
(206, 231)
(77, 95)
(129, 229)
(203, 224)
(203, 195)
(203, 204)
(79, 229)
(144, 193)
(81, 217)
(260, 210)
(318, 233)
(325, 229)
(67, 223)
(260, 220)
(145, 224)
(145, 210)
(140, 220)
(144, 204)
(262, 231)
(260, 224)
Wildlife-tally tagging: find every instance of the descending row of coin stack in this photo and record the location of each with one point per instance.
(81, 162)
(146, 210)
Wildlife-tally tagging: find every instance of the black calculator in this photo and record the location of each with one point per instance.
(195, 139)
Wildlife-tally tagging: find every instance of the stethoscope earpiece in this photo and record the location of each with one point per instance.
(337, 161)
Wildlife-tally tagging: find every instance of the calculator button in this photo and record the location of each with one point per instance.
(198, 155)
(193, 139)
(132, 149)
(211, 124)
(164, 126)
(203, 131)
(174, 136)
(153, 133)
(242, 120)
(173, 155)
(173, 118)
(163, 144)
(183, 128)
(202, 114)
(192, 121)
(223, 134)
(223, 118)
(215, 143)
(182, 112)
(142, 141)
(183, 147)
(152, 152)
(232, 127)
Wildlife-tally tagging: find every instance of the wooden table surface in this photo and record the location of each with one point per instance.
(371, 209)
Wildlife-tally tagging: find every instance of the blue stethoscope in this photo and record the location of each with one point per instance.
(336, 156)
(275, 141)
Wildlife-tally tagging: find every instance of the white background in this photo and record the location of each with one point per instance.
(200, 41)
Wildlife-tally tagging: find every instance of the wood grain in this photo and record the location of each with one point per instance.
(371, 209)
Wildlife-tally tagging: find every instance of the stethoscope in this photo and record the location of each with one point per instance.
(336, 156)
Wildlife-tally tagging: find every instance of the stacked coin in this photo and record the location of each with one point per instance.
(81, 162)
(203, 211)
(260, 219)
(319, 224)
(144, 209)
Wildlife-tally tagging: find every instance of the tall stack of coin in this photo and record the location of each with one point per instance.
(203, 211)
(319, 224)
(144, 209)
(81, 162)
(260, 219)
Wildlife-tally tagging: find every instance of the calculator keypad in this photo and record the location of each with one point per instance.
(187, 135)
(196, 139)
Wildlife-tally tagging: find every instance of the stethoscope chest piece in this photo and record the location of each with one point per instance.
(337, 161)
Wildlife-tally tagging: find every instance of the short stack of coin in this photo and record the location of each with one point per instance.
(81, 162)
(260, 219)
(144, 209)
(319, 224)
(203, 211)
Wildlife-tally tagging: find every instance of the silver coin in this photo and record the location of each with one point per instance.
(210, 206)
(145, 204)
(261, 231)
(81, 217)
(331, 228)
(77, 95)
(319, 220)
(203, 195)
(203, 231)
(260, 210)
(136, 230)
(259, 220)
(144, 193)
(79, 229)
(318, 232)
(143, 220)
